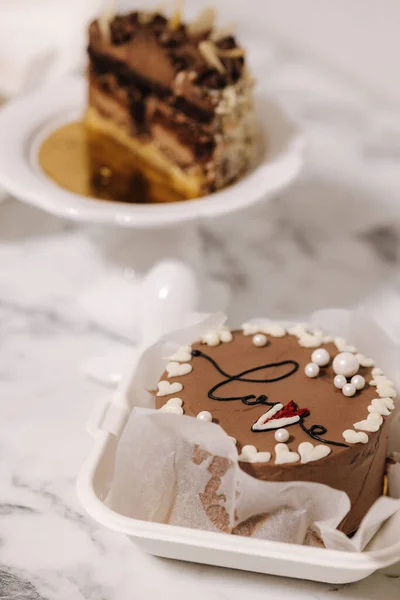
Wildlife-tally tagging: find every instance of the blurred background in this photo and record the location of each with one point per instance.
(332, 239)
(359, 38)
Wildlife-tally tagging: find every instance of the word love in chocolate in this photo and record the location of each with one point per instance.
(278, 415)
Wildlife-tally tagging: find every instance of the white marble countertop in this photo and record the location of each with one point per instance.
(332, 239)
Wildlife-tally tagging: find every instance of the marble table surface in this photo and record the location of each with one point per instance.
(332, 239)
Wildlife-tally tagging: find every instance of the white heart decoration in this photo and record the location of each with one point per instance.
(175, 369)
(309, 453)
(165, 388)
(372, 423)
(364, 361)
(211, 338)
(376, 372)
(386, 391)
(215, 337)
(183, 354)
(249, 454)
(176, 402)
(284, 456)
(343, 346)
(261, 457)
(173, 406)
(381, 380)
(252, 328)
(298, 330)
(275, 330)
(247, 451)
(225, 335)
(382, 406)
(272, 329)
(309, 340)
(355, 437)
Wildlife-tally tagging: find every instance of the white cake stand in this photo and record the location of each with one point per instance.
(146, 295)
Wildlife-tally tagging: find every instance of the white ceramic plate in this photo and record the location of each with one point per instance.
(25, 122)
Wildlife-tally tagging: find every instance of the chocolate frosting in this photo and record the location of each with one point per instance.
(357, 469)
(134, 41)
(153, 51)
(138, 64)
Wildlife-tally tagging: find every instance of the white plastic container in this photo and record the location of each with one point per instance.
(106, 425)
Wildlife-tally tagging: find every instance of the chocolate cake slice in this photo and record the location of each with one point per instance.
(178, 96)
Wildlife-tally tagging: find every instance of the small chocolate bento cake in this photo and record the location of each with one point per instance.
(302, 406)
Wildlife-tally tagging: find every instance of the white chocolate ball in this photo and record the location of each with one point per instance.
(345, 364)
(349, 390)
(311, 370)
(320, 357)
(340, 381)
(282, 435)
(205, 415)
(260, 340)
(358, 381)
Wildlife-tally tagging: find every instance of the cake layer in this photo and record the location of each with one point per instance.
(182, 89)
(253, 387)
(157, 50)
(217, 159)
(154, 163)
(196, 142)
(189, 103)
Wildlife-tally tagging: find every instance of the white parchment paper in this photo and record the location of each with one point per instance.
(178, 470)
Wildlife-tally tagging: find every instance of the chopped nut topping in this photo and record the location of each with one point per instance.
(176, 18)
(106, 17)
(105, 172)
(203, 23)
(209, 52)
(232, 53)
(144, 18)
(179, 81)
(180, 78)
